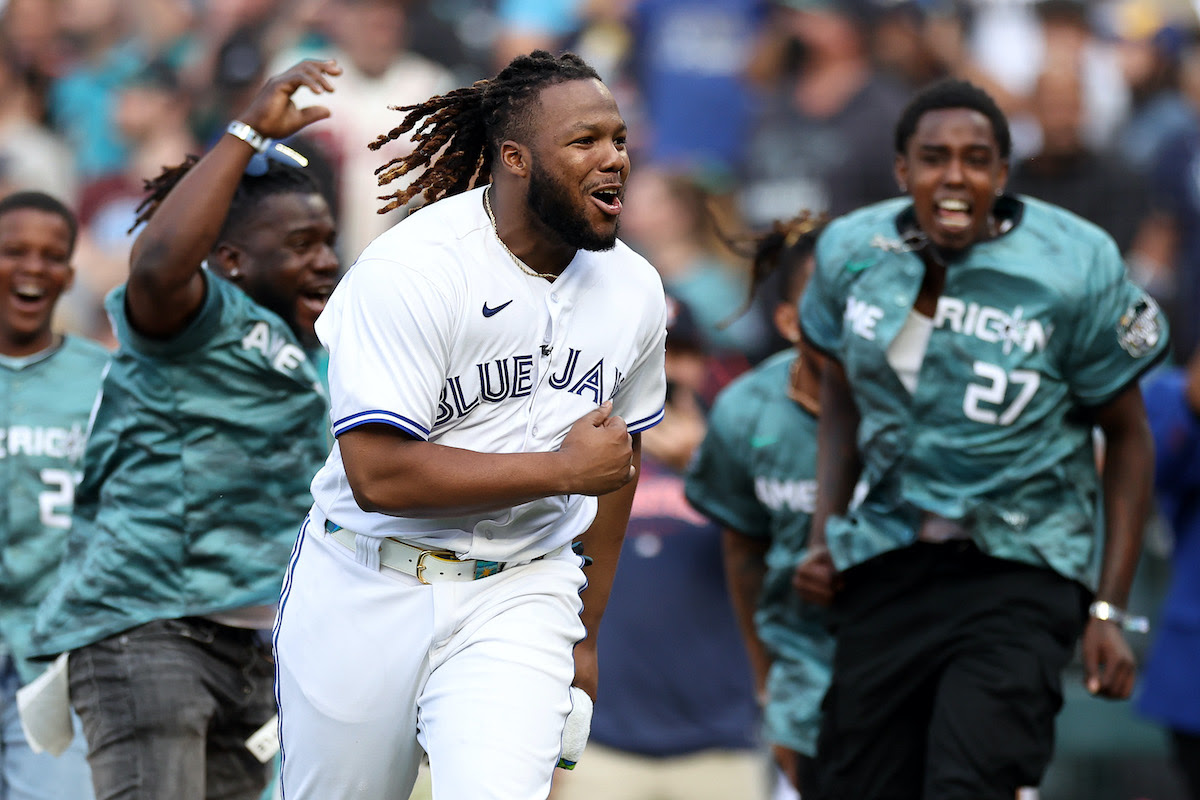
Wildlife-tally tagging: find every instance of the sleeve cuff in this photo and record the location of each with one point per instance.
(637, 426)
(409, 426)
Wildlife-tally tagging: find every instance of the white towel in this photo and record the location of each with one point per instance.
(45, 710)
(577, 729)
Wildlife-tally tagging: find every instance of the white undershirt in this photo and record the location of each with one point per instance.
(907, 351)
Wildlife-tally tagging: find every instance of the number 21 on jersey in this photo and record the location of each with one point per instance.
(54, 504)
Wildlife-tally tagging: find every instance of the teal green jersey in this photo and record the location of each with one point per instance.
(196, 473)
(756, 473)
(1033, 329)
(45, 401)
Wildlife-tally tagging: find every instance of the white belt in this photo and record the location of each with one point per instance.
(427, 566)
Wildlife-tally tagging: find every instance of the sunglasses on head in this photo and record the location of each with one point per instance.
(274, 151)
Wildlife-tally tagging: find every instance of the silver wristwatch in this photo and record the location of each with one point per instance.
(248, 135)
(1107, 612)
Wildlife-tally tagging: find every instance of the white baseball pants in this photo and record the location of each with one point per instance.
(374, 668)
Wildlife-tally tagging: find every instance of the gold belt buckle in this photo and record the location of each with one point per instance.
(421, 562)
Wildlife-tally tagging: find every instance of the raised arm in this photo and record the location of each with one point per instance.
(838, 468)
(165, 288)
(1128, 478)
(391, 473)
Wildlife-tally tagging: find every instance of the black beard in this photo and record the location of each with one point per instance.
(551, 204)
(270, 298)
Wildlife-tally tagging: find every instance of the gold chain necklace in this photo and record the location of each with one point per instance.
(487, 206)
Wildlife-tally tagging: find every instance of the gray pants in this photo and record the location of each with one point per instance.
(167, 708)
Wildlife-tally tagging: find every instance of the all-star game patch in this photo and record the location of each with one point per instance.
(1139, 328)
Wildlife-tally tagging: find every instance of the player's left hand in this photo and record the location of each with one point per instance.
(1109, 668)
(272, 112)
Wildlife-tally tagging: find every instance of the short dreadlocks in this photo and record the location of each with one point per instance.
(278, 179)
(458, 134)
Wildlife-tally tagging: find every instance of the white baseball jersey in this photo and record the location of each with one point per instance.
(435, 330)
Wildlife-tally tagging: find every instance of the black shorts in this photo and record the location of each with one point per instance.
(946, 676)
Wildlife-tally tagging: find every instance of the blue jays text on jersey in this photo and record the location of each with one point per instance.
(436, 332)
(504, 378)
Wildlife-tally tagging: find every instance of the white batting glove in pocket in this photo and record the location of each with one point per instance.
(575, 732)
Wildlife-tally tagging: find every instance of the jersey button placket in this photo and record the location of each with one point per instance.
(553, 308)
(546, 369)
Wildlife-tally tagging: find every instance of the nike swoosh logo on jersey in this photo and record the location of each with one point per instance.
(489, 312)
(763, 441)
(858, 266)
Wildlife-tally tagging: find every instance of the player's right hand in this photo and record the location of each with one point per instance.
(597, 453)
(272, 112)
(816, 578)
(788, 762)
(1108, 663)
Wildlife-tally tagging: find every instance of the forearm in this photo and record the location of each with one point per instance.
(838, 461)
(165, 287)
(602, 543)
(1127, 478)
(745, 569)
(392, 473)
(185, 226)
(412, 478)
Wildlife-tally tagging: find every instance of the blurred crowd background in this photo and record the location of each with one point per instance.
(740, 112)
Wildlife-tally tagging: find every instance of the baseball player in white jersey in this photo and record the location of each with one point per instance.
(493, 359)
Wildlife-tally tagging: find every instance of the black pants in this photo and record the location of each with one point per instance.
(946, 677)
(1187, 756)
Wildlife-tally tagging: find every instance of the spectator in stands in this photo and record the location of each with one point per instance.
(821, 141)
(1067, 171)
(668, 221)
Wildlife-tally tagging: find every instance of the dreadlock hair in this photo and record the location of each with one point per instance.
(952, 93)
(252, 189)
(40, 201)
(458, 134)
(777, 256)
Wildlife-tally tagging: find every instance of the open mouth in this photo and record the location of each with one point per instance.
(314, 300)
(29, 295)
(954, 215)
(608, 199)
